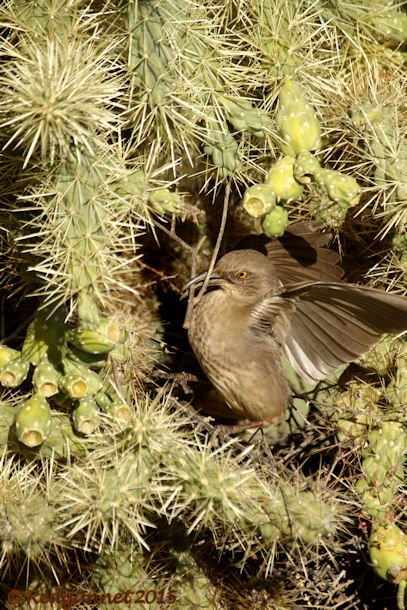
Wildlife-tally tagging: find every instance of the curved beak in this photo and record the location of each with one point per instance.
(214, 280)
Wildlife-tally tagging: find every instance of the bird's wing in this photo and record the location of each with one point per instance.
(322, 326)
(301, 255)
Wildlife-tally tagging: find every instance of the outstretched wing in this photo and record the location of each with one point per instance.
(300, 255)
(322, 326)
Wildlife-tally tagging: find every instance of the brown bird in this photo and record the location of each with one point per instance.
(285, 298)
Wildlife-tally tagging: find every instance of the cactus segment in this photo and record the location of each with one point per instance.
(88, 312)
(164, 201)
(45, 337)
(340, 188)
(46, 379)
(282, 181)
(7, 354)
(382, 467)
(388, 552)
(33, 421)
(305, 166)
(86, 416)
(244, 117)
(13, 374)
(79, 381)
(259, 199)
(275, 222)
(99, 341)
(296, 120)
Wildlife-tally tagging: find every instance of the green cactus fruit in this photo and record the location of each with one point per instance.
(62, 441)
(101, 340)
(296, 120)
(13, 374)
(88, 312)
(7, 354)
(388, 552)
(164, 201)
(86, 416)
(305, 166)
(33, 421)
(340, 188)
(46, 379)
(275, 222)
(282, 181)
(259, 199)
(79, 381)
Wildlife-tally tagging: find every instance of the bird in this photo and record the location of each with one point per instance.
(284, 297)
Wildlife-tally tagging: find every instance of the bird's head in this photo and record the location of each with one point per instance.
(246, 274)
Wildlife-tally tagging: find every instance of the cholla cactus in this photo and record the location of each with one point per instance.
(112, 117)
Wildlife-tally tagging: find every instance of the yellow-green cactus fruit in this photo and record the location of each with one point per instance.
(33, 421)
(274, 223)
(46, 379)
(296, 120)
(340, 188)
(13, 374)
(388, 552)
(282, 181)
(305, 166)
(86, 416)
(259, 199)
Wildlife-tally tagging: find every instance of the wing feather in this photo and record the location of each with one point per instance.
(322, 326)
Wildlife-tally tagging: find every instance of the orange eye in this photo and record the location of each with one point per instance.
(242, 275)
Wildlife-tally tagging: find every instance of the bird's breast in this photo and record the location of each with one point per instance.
(244, 367)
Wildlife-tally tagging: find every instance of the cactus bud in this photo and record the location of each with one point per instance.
(282, 181)
(259, 199)
(33, 421)
(274, 223)
(13, 374)
(86, 416)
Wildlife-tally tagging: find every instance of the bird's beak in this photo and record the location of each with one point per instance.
(214, 280)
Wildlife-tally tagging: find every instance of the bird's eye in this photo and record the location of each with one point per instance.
(242, 275)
